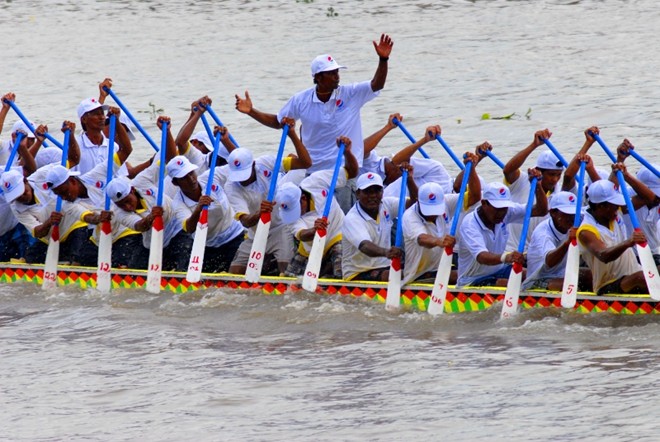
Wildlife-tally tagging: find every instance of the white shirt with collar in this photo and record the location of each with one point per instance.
(91, 154)
(358, 227)
(475, 238)
(545, 239)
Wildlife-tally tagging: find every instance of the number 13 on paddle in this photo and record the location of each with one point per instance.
(256, 259)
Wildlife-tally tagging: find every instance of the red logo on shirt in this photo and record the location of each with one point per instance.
(339, 103)
(214, 187)
(99, 184)
(267, 173)
(324, 192)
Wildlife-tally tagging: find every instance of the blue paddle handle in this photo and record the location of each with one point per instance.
(214, 160)
(450, 152)
(333, 183)
(461, 196)
(30, 126)
(14, 149)
(278, 162)
(528, 214)
(410, 137)
(65, 154)
(644, 163)
(555, 151)
(626, 196)
(604, 146)
(111, 154)
(492, 156)
(219, 123)
(163, 158)
(207, 127)
(578, 208)
(402, 207)
(131, 117)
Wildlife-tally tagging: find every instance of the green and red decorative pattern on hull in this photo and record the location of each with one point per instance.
(415, 296)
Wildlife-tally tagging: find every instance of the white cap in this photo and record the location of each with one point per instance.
(549, 161)
(324, 63)
(12, 185)
(179, 166)
(58, 176)
(564, 202)
(288, 202)
(123, 119)
(369, 179)
(497, 195)
(240, 165)
(650, 179)
(431, 199)
(605, 191)
(602, 173)
(19, 125)
(203, 138)
(118, 188)
(88, 105)
(48, 155)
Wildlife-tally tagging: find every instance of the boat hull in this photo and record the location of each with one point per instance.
(413, 296)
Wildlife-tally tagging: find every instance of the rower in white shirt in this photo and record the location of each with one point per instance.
(367, 232)
(483, 235)
(426, 225)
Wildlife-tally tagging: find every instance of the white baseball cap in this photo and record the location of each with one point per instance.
(240, 165)
(179, 166)
(203, 138)
(369, 179)
(58, 175)
(650, 179)
(431, 199)
(498, 195)
(88, 105)
(605, 191)
(549, 161)
(12, 185)
(19, 125)
(48, 155)
(324, 63)
(118, 189)
(565, 202)
(288, 202)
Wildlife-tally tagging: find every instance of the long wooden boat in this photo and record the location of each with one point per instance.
(413, 296)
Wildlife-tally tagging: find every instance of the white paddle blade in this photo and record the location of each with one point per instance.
(510, 304)
(155, 270)
(52, 257)
(311, 276)
(393, 300)
(650, 270)
(439, 293)
(103, 273)
(571, 276)
(197, 255)
(258, 251)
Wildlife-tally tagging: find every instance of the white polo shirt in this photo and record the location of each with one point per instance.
(91, 154)
(323, 122)
(419, 259)
(648, 221)
(544, 240)
(605, 273)
(318, 185)
(358, 227)
(222, 225)
(475, 238)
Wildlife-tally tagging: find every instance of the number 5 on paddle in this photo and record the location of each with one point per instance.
(256, 258)
(311, 277)
(572, 273)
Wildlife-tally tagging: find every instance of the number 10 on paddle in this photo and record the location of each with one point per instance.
(256, 259)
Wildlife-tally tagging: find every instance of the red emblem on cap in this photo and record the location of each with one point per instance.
(571, 198)
(370, 176)
(431, 196)
(7, 185)
(179, 162)
(502, 191)
(329, 58)
(44, 186)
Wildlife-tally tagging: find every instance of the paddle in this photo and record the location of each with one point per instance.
(131, 117)
(103, 275)
(157, 229)
(410, 137)
(311, 276)
(492, 156)
(14, 149)
(643, 250)
(393, 299)
(644, 163)
(510, 305)
(572, 272)
(450, 152)
(258, 251)
(555, 151)
(439, 293)
(219, 123)
(30, 126)
(53, 253)
(201, 232)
